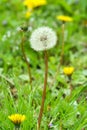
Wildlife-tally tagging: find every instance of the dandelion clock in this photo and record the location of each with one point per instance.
(42, 39)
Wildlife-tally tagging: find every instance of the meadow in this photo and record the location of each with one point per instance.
(43, 65)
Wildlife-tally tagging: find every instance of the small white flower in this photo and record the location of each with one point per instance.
(43, 38)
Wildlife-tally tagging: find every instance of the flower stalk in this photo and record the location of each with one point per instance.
(64, 19)
(17, 128)
(62, 52)
(61, 127)
(25, 58)
(61, 55)
(44, 91)
(70, 83)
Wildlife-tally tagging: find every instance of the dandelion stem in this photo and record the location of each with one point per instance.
(61, 56)
(25, 58)
(61, 127)
(44, 91)
(17, 128)
(71, 86)
(62, 52)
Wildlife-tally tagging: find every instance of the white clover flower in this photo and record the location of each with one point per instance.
(43, 38)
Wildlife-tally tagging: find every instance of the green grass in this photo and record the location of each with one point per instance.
(16, 96)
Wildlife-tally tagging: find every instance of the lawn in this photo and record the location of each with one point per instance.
(43, 65)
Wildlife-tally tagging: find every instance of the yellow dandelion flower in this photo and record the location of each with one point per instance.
(68, 70)
(64, 18)
(17, 119)
(34, 3)
(28, 4)
(39, 3)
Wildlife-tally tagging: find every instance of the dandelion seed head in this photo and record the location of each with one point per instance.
(43, 38)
